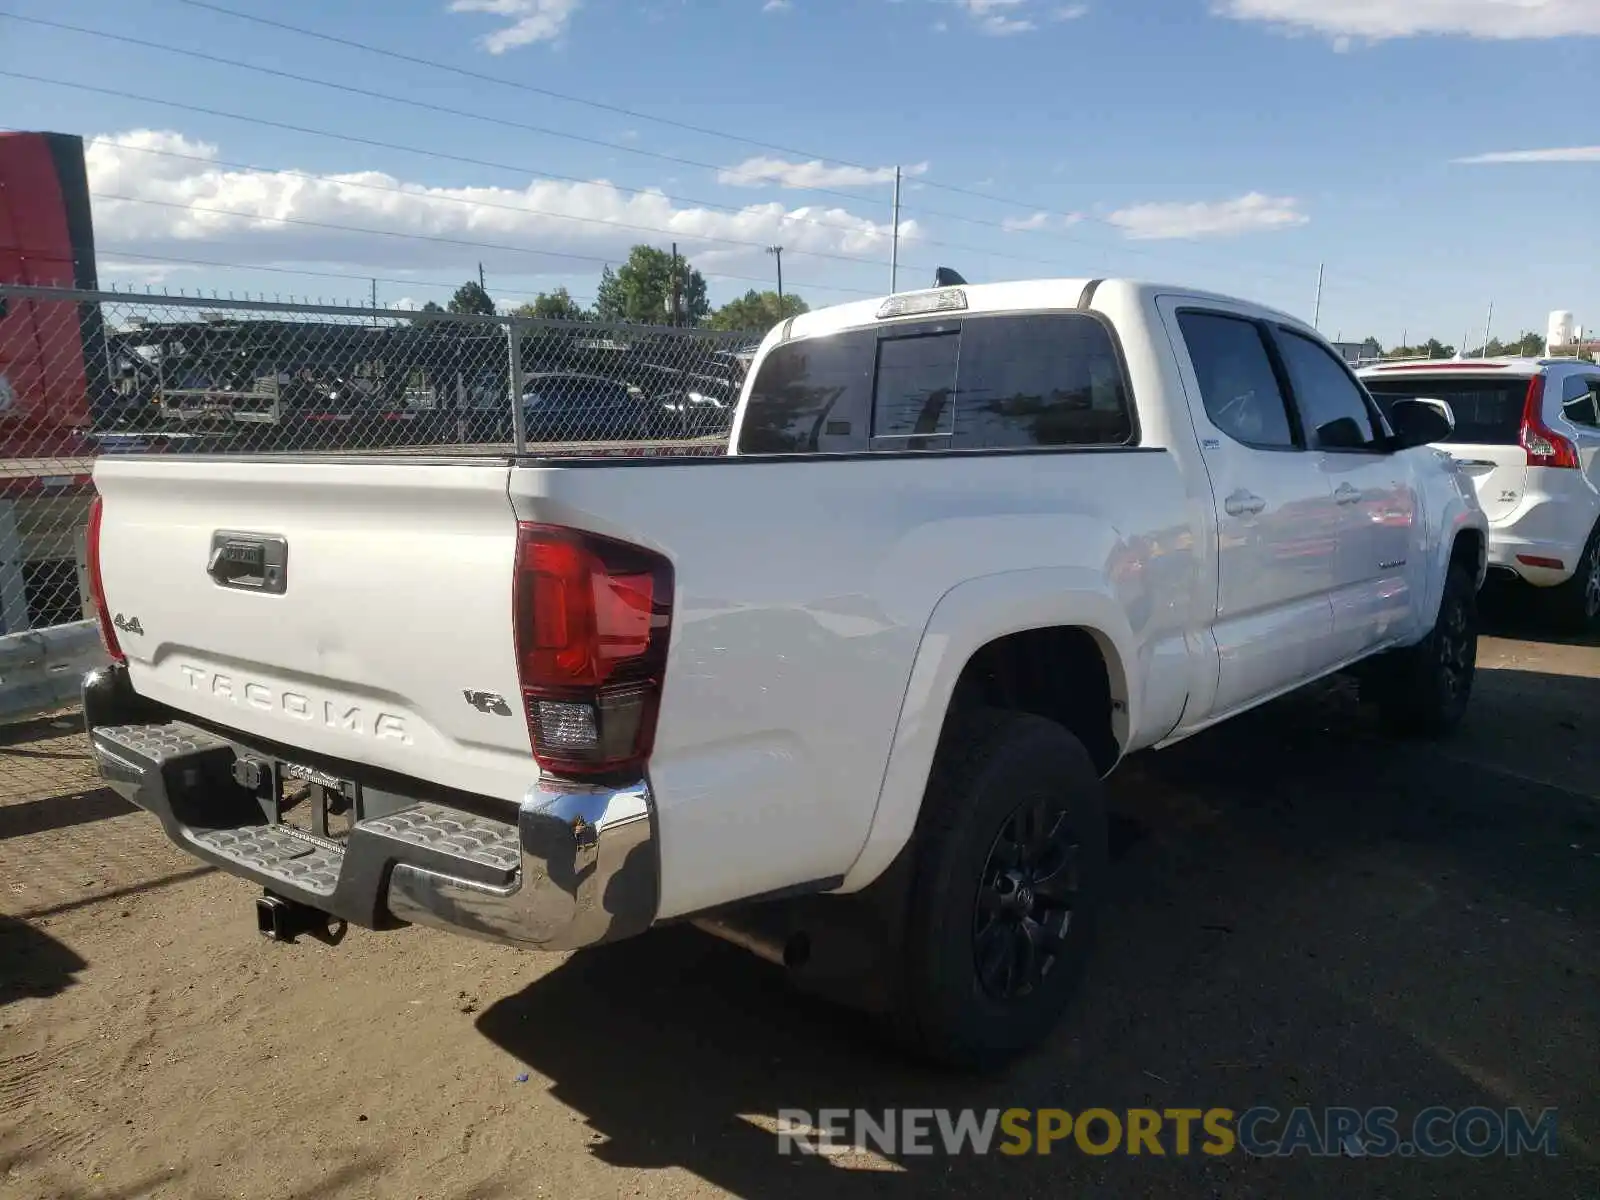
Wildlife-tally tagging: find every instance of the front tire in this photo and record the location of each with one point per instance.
(1009, 863)
(1423, 690)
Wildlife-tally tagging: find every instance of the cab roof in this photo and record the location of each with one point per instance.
(1015, 296)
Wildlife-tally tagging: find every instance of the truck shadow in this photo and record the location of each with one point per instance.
(21, 817)
(1305, 912)
(1514, 610)
(33, 964)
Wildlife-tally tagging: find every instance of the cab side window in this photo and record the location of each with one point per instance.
(1237, 383)
(1332, 405)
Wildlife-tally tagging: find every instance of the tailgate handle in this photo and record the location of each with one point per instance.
(250, 561)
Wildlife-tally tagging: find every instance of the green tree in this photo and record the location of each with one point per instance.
(431, 306)
(1529, 345)
(758, 312)
(471, 298)
(557, 305)
(641, 290)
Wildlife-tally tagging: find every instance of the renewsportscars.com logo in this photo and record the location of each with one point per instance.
(1260, 1131)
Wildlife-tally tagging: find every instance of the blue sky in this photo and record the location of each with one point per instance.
(1233, 144)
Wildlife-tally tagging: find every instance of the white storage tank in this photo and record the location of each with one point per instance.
(1562, 330)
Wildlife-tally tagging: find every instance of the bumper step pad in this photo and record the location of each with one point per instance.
(176, 771)
(285, 855)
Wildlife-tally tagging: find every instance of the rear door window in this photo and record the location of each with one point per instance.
(1488, 411)
(980, 383)
(1238, 386)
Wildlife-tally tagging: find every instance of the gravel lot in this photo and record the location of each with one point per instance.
(1307, 913)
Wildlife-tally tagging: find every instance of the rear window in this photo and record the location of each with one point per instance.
(981, 383)
(1488, 411)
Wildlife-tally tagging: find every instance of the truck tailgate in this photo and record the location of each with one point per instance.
(349, 609)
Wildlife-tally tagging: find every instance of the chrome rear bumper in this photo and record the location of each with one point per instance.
(588, 875)
(579, 866)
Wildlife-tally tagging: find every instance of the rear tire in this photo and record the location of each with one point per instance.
(1574, 606)
(1423, 690)
(1009, 863)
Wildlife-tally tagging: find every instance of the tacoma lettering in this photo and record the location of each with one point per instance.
(298, 706)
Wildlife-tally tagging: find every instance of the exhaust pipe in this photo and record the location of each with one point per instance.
(790, 951)
(283, 920)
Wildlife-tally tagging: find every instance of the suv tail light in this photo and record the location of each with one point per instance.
(97, 588)
(592, 617)
(1545, 447)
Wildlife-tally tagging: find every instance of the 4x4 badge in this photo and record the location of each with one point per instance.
(128, 624)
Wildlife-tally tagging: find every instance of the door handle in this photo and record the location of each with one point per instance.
(1243, 503)
(1345, 494)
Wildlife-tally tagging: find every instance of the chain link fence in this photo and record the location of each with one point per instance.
(90, 373)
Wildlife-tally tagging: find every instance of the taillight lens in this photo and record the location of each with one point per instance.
(1545, 447)
(97, 588)
(592, 617)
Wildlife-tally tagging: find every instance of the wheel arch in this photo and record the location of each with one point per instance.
(1063, 605)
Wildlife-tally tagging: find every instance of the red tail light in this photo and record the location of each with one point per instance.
(592, 617)
(1545, 447)
(97, 589)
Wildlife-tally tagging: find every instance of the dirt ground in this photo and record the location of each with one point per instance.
(1306, 913)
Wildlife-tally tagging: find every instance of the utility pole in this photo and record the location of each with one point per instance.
(1316, 312)
(1487, 325)
(675, 279)
(894, 245)
(777, 252)
(480, 277)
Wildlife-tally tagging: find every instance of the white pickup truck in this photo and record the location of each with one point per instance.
(845, 695)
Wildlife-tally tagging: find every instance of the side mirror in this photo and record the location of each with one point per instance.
(1421, 422)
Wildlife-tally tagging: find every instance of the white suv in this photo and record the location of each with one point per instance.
(1528, 435)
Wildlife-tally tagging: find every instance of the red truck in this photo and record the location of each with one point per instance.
(52, 371)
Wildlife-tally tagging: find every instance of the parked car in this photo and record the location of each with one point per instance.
(696, 406)
(1528, 436)
(570, 407)
(845, 696)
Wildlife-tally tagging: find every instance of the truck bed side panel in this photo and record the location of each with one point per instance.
(803, 592)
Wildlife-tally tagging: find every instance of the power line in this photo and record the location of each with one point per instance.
(502, 81)
(238, 64)
(486, 77)
(1075, 267)
(443, 155)
(432, 238)
(388, 98)
(377, 143)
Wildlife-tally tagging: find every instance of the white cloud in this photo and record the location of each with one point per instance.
(248, 216)
(1040, 220)
(760, 171)
(999, 18)
(777, 6)
(1563, 154)
(1379, 19)
(1249, 213)
(1070, 12)
(530, 20)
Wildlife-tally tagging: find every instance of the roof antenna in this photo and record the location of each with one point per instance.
(945, 277)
